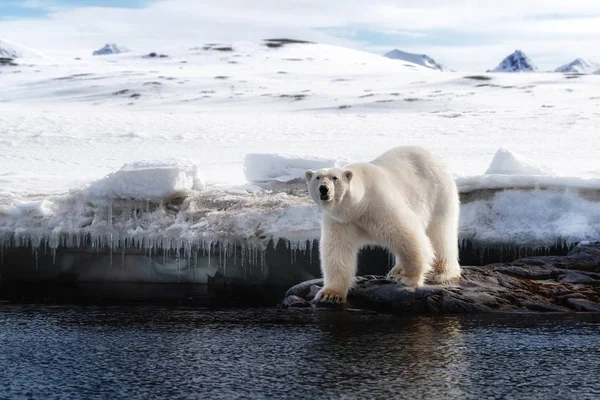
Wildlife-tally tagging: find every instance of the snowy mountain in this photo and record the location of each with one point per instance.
(420, 59)
(7, 51)
(110, 48)
(516, 62)
(580, 66)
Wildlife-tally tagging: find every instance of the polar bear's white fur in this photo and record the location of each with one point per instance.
(405, 200)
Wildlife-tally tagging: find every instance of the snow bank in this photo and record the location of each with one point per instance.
(508, 162)
(166, 205)
(468, 184)
(511, 170)
(148, 180)
(530, 218)
(419, 59)
(282, 167)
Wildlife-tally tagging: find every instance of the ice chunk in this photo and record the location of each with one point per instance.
(506, 162)
(149, 180)
(282, 167)
(32, 209)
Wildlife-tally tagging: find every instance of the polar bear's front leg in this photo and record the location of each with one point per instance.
(338, 251)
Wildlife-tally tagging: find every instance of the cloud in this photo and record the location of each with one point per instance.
(466, 34)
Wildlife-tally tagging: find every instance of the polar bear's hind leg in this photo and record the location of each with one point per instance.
(444, 238)
(414, 255)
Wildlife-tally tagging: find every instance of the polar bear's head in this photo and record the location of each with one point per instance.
(328, 186)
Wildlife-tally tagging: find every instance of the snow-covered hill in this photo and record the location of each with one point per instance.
(579, 66)
(419, 59)
(110, 48)
(276, 74)
(515, 62)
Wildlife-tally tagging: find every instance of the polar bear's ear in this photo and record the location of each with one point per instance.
(309, 174)
(348, 174)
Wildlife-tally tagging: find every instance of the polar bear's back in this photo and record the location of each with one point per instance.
(412, 161)
(418, 176)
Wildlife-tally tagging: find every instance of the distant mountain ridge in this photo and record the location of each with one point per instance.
(515, 62)
(8, 51)
(419, 59)
(110, 48)
(579, 66)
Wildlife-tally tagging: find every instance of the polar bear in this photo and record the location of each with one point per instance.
(405, 200)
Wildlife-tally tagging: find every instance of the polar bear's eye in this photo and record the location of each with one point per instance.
(335, 178)
(318, 177)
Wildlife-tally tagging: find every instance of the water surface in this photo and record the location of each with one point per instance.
(122, 350)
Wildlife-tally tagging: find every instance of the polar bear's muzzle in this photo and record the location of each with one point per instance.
(324, 193)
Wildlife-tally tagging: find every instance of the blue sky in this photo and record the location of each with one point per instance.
(463, 34)
(16, 9)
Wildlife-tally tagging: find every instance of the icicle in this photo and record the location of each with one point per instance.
(244, 249)
(220, 254)
(195, 265)
(178, 266)
(225, 247)
(209, 250)
(110, 231)
(234, 255)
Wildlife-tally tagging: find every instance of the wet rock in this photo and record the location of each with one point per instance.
(568, 283)
(294, 301)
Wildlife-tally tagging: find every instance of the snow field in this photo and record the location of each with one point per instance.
(228, 134)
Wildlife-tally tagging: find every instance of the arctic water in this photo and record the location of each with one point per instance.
(99, 342)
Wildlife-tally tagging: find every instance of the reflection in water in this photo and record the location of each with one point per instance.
(400, 355)
(171, 351)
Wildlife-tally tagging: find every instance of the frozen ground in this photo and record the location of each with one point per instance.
(202, 112)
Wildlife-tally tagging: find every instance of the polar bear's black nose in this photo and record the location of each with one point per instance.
(323, 190)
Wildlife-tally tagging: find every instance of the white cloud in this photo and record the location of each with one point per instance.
(466, 34)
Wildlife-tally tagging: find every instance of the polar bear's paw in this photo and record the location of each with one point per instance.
(332, 296)
(444, 278)
(397, 275)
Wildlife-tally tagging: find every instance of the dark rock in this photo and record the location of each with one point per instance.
(584, 305)
(8, 61)
(478, 77)
(568, 283)
(589, 248)
(294, 301)
(279, 42)
(295, 97)
(154, 55)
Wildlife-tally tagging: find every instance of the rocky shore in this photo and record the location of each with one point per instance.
(568, 283)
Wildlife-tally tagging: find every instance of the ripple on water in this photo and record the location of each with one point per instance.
(181, 352)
